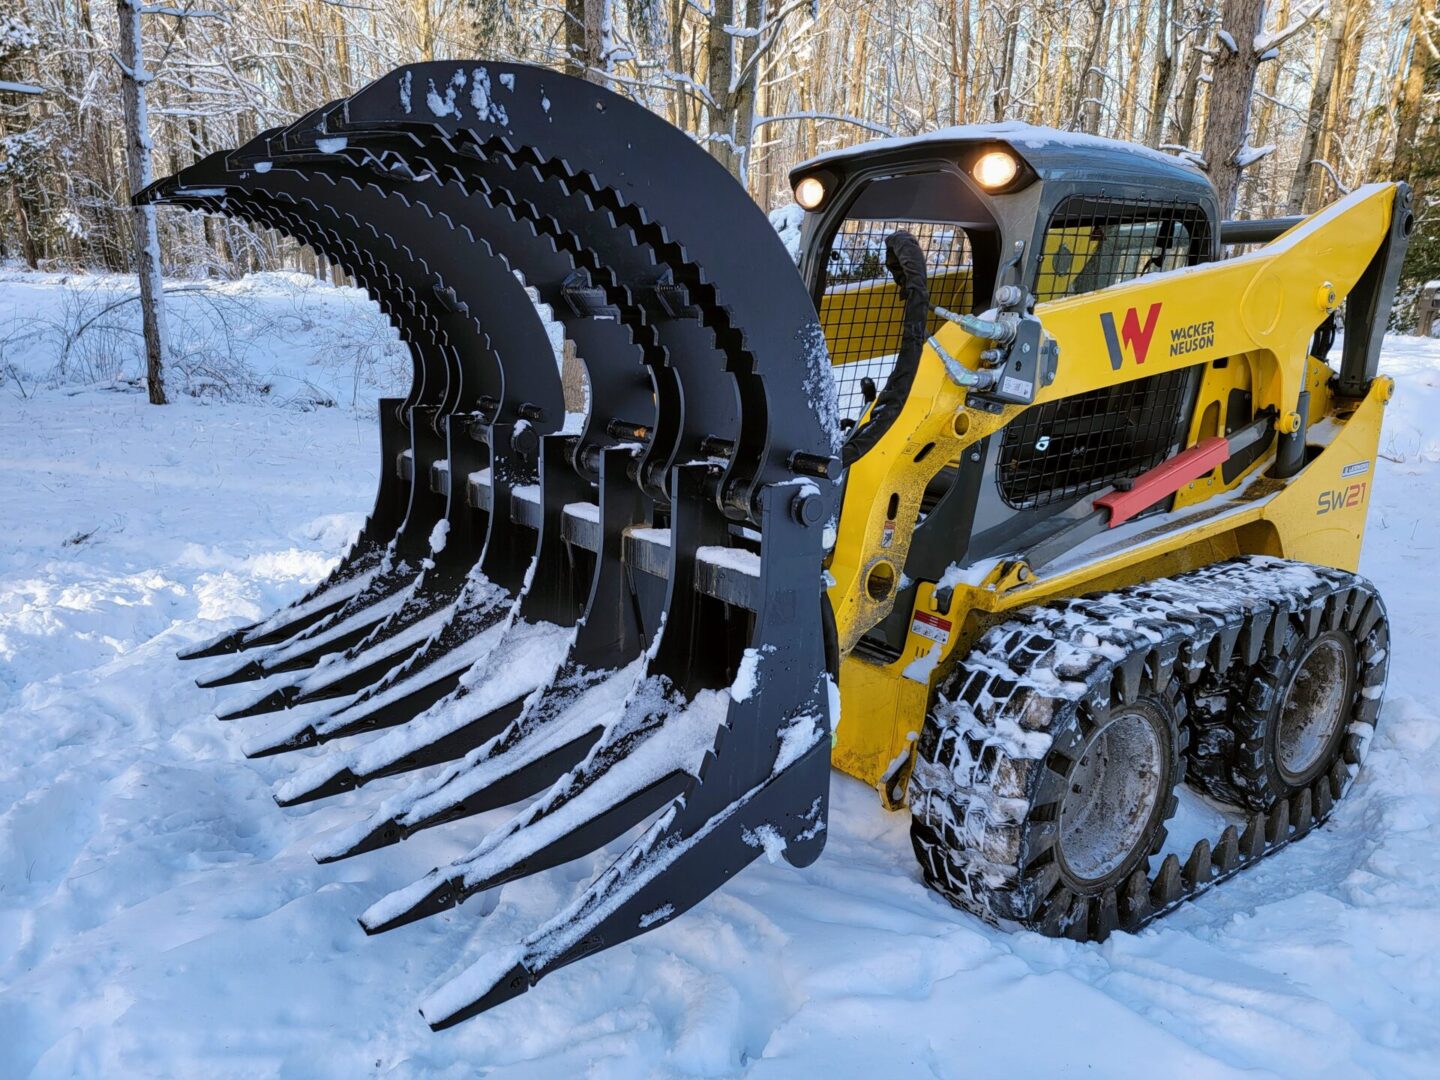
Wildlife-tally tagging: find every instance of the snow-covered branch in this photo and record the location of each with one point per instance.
(141, 77)
(178, 13)
(1267, 40)
(1248, 155)
(1193, 156)
(1334, 176)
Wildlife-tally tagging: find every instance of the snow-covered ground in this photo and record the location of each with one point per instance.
(159, 916)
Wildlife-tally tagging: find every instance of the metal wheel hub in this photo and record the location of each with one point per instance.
(1114, 790)
(1313, 713)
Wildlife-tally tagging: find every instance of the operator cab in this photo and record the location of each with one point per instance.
(1050, 214)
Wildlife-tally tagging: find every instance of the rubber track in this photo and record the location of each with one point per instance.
(967, 778)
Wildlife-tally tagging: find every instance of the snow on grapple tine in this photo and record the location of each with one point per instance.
(555, 728)
(729, 745)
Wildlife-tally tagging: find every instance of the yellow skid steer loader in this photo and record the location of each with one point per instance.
(1035, 494)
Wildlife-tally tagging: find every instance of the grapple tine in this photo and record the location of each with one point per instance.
(529, 648)
(408, 687)
(694, 334)
(763, 789)
(376, 652)
(677, 863)
(362, 558)
(556, 728)
(311, 627)
(640, 762)
(393, 712)
(542, 744)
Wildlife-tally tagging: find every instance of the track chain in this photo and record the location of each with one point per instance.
(986, 763)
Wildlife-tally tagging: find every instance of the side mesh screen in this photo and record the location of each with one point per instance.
(1064, 449)
(860, 306)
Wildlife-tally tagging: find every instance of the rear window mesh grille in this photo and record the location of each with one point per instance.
(1095, 243)
(860, 306)
(1064, 449)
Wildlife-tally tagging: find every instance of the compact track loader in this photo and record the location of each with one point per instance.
(1017, 502)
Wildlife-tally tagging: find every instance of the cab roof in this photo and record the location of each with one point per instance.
(1050, 152)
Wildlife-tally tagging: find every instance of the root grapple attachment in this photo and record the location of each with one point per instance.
(616, 613)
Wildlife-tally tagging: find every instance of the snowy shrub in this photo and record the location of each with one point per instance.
(282, 338)
(787, 220)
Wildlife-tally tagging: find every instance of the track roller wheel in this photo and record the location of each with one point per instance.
(1039, 824)
(1304, 708)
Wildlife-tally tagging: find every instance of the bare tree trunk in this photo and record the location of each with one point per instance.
(1130, 102)
(1190, 87)
(962, 104)
(1000, 95)
(955, 22)
(600, 33)
(27, 238)
(1315, 118)
(1231, 88)
(720, 68)
(1165, 72)
(1092, 79)
(585, 23)
(733, 78)
(147, 242)
(681, 96)
(1411, 96)
(747, 90)
(1269, 84)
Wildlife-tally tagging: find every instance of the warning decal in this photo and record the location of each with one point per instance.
(931, 626)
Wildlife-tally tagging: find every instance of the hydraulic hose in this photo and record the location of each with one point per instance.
(905, 260)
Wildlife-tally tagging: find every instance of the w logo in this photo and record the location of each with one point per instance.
(1132, 335)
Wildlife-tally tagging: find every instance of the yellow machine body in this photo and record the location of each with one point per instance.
(1248, 323)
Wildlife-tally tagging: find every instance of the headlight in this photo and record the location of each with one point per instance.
(994, 169)
(809, 193)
